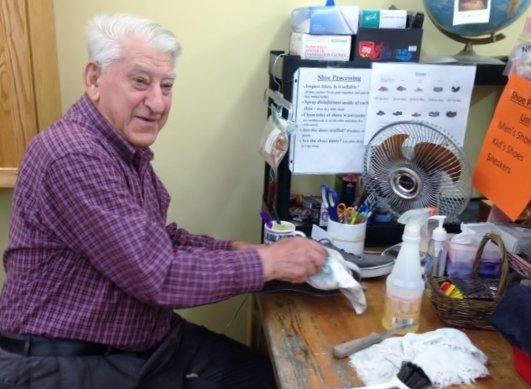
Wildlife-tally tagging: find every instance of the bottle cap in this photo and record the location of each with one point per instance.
(466, 237)
(439, 233)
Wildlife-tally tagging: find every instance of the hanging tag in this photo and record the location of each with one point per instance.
(291, 127)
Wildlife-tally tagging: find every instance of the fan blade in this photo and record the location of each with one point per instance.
(388, 151)
(433, 158)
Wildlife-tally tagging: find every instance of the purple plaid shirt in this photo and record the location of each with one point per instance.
(90, 256)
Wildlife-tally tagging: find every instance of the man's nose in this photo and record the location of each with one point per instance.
(155, 100)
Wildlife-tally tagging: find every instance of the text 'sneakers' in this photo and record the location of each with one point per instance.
(371, 265)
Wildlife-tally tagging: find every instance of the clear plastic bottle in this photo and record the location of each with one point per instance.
(438, 249)
(404, 286)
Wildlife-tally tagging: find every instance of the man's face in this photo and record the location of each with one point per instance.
(134, 93)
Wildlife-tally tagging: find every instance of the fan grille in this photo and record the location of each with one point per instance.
(414, 165)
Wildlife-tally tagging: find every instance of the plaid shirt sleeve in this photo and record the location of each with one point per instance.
(87, 204)
(179, 236)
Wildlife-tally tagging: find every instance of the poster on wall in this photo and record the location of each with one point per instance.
(436, 94)
(502, 171)
(471, 11)
(330, 109)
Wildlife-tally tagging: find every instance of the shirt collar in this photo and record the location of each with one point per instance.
(94, 121)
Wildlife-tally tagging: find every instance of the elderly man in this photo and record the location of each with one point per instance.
(93, 272)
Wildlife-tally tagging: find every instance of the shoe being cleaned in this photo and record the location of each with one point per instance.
(371, 265)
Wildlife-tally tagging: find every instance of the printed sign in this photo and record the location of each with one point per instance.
(436, 94)
(330, 108)
(503, 170)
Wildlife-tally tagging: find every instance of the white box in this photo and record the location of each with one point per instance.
(384, 18)
(321, 47)
(326, 20)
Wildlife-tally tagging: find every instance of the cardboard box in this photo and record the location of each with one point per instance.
(387, 45)
(385, 18)
(321, 47)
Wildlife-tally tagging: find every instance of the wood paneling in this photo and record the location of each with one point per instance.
(29, 86)
(18, 105)
(44, 62)
(8, 177)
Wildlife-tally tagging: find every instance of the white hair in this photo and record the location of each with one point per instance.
(105, 34)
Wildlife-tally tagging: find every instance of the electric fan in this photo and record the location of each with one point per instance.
(411, 165)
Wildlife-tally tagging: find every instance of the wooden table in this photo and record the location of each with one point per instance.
(301, 330)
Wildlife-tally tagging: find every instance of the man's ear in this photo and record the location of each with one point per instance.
(92, 78)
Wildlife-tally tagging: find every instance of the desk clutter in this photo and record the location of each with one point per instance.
(393, 135)
(446, 356)
(343, 33)
(466, 295)
(473, 300)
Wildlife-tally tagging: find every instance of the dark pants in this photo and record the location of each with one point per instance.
(190, 357)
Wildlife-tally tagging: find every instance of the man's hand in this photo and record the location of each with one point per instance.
(293, 259)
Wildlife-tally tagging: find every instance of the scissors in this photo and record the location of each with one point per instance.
(344, 213)
(330, 199)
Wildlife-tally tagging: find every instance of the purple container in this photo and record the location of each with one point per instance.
(461, 258)
(487, 269)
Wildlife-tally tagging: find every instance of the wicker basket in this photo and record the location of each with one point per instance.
(470, 313)
(520, 265)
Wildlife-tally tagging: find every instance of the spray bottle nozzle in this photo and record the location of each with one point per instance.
(421, 215)
(440, 219)
(415, 220)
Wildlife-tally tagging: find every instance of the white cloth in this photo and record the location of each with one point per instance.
(446, 355)
(336, 275)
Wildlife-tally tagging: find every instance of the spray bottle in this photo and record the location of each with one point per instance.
(404, 286)
(423, 215)
(438, 249)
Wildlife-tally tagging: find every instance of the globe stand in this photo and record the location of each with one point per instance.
(468, 55)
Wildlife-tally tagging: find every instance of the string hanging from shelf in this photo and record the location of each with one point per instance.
(276, 97)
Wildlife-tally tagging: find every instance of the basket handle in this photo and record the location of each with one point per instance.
(504, 277)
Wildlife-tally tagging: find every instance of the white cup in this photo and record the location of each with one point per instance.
(349, 237)
(276, 232)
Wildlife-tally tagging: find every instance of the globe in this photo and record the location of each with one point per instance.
(502, 13)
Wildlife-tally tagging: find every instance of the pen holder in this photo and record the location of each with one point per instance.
(349, 237)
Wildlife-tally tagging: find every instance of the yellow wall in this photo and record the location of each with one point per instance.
(207, 154)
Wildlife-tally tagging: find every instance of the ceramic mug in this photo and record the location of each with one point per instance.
(280, 231)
